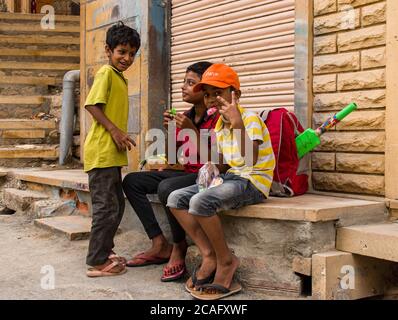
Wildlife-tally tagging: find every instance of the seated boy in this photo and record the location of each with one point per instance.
(244, 143)
(138, 184)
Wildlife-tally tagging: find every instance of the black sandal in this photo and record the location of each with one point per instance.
(197, 283)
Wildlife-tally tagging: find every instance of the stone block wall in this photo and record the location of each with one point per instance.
(350, 66)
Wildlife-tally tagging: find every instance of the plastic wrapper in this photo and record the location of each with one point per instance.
(208, 177)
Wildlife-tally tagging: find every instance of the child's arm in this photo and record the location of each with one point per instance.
(121, 138)
(221, 166)
(231, 112)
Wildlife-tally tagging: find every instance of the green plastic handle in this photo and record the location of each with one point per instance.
(346, 111)
(173, 111)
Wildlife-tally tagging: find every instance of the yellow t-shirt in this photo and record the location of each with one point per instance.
(261, 173)
(109, 88)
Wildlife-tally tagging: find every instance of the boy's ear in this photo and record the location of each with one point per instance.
(238, 93)
(108, 51)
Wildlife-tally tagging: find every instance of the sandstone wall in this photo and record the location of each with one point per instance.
(349, 65)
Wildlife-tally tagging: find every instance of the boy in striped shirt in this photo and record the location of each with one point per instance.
(244, 146)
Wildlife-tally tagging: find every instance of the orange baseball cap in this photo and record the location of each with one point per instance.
(219, 75)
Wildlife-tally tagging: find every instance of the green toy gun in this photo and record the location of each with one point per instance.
(309, 139)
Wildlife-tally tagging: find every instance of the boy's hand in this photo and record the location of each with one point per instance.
(166, 118)
(183, 122)
(123, 140)
(230, 110)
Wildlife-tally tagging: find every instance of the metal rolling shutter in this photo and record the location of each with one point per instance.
(254, 37)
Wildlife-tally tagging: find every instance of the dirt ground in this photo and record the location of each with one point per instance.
(30, 255)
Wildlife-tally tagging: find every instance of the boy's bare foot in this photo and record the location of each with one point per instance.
(207, 267)
(225, 273)
(158, 254)
(160, 247)
(162, 251)
(178, 253)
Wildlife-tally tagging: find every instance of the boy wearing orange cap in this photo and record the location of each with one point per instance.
(244, 144)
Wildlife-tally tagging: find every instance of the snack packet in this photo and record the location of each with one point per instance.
(208, 177)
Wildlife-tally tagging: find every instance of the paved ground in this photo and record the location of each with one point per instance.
(27, 250)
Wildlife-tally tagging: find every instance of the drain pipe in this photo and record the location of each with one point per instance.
(68, 114)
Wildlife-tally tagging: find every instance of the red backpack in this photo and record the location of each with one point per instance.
(291, 174)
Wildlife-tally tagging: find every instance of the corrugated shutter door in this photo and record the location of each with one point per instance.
(254, 37)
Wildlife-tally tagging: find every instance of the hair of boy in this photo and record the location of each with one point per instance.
(122, 34)
(199, 67)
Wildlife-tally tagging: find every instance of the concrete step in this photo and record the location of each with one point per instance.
(37, 81)
(30, 100)
(315, 208)
(338, 275)
(24, 89)
(7, 28)
(26, 106)
(375, 240)
(39, 53)
(73, 179)
(49, 152)
(21, 200)
(73, 227)
(26, 124)
(28, 155)
(38, 65)
(311, 208)
(26, 18)
(27, 131)
(41, 39)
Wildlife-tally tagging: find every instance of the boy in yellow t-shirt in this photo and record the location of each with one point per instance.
(244, 144)
(105, 149)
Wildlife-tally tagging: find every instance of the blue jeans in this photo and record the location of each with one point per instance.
(235, 192)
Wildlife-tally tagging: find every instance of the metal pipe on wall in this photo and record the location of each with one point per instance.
(68, 114)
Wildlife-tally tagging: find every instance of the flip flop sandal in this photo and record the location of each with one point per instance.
(222, 291)
(173, 272)
(105, 272)
(198, 283)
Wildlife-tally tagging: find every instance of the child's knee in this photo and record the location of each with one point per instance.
(173, 199)
(201, 205)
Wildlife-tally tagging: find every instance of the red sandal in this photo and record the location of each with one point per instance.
(174, 272)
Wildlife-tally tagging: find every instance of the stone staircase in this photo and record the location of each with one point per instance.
(33, 62)
(293, 247)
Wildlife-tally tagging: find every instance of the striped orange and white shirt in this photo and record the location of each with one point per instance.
(261, 173)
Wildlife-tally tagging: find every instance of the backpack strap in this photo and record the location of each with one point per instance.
(280, 190)
(296, 132)
(264, 114)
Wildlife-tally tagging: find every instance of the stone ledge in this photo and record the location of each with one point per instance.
(21, 199)
(377, 240)
(363, 276)
(308, 207)
(73, 227)
(74, 179)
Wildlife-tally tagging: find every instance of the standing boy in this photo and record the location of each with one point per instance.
(105, 149)
(244, 144)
